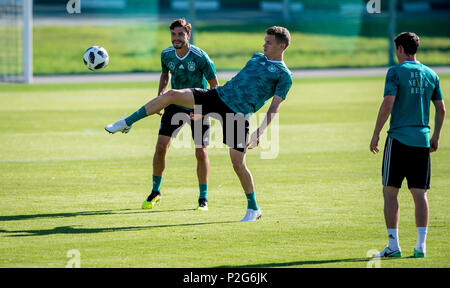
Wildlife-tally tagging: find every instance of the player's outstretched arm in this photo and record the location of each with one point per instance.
(438, 123)
(383, 115)
(271, 113)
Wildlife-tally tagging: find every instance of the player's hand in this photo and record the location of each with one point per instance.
(374, 144)
(254, 140)
(159, 113)
(434, 144)
(195, 117)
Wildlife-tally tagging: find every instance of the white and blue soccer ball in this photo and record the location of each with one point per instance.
(96, 58)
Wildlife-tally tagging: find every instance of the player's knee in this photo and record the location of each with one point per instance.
(239, 166)
(419, 193)
(201, 154)
(390, 193)
(161, 149)
(166, 98)
(171, 95)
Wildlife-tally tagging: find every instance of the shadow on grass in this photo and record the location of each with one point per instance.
(73, 230)
(311, 262)
(85, 213)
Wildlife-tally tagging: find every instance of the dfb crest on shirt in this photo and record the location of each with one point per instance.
(272, 68)
(171, 66)
(191, 66)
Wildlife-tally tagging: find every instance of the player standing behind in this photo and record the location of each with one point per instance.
(264, 76)
(185, 66)
(409, 89)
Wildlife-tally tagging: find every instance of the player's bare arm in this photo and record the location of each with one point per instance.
(271, 113)
(164, 81)
(213, 83)
(383, 115)
(438, 123)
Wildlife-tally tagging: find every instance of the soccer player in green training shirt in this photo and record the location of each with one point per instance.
(264, 76)
(185, 66)
(409, 89)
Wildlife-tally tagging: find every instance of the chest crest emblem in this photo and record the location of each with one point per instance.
(191, 66)
(272, 68)
(171, 66)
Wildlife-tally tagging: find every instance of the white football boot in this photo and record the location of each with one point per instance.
(252, 215)
(120, 125)
(388, 252)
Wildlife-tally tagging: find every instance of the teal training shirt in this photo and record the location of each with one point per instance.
(191, 71)
(256, 83)
(414, 86)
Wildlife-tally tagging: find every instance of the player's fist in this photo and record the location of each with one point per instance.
(254, 140)
(434, 144)
(195, 117)
(374, 144)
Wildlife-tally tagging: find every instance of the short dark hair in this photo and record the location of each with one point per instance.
(409, 41)
(282, 34)
(181, 23)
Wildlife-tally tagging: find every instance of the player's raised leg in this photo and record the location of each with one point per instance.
(159, 164)
(246, 179)
(182, 97)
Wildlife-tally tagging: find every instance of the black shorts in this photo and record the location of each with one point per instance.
(235, 127)
(175, 117)
(402, 161)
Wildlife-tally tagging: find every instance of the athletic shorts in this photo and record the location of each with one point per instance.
(235, 127)
(402, 161)
(175, 117)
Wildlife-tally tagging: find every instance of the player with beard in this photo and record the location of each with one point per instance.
(185, 66)
(265, 76)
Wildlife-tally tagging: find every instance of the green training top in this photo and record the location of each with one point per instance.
(414, 86)
(191, 71)
(256, 83)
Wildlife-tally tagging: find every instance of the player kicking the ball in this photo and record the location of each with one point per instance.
(263, 77)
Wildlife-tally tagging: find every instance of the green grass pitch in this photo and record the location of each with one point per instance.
(137, 48)
(66, 184)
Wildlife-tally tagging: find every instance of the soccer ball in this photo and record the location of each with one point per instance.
(96, 58)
